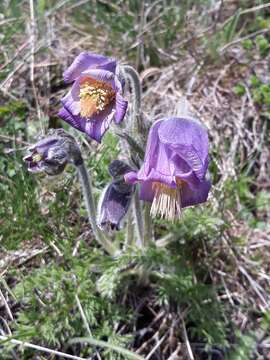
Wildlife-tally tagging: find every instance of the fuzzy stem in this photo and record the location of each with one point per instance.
(133, 78)
(144, 228)
(138, 218)
(129, 230)
(135, 85)
(147, 238)
(91, 209)
(183, 107)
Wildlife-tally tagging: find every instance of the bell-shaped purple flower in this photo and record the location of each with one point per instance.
(95, 98)
(52, 153)
(116, 198)
(173, 175)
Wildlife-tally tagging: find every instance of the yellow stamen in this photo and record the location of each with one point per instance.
(37, 157)
(167, 201)
(94, 97)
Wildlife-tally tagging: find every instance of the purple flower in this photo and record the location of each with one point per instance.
(173, 174)
(52, 153)
(116, 198)
(95, 98)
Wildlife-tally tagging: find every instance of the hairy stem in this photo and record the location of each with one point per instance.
(135, 85)
(132, 77)
(182, 107)
(147, 236)
(129, 230)
(138, 218)
(143, 228)
(91, 209)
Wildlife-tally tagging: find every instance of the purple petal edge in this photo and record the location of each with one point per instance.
(120, 108)
(75, 121)
(191, 197)
(85, 61)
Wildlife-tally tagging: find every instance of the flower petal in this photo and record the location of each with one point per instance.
(109, 65)
(28, 158)
(189, 139)
(151, 149)
(75, 121)
(72, 101)
(34, 167)
(42, 145)
(114, 204)
(120, 108)
(146, 191)
(99, 124)
(119, 84)
(131, 177)
(87, 60)
(191, 197)
(100, 75)
(94, 127)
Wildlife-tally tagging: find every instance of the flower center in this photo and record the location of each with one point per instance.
(37, 157)
(167, 201)
(94, 96)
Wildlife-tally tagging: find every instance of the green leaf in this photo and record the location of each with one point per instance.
(230, 29)
(262, 44)
(41, 6)
(263, 200)
(239, 89)
(247, 44)
(254, 81)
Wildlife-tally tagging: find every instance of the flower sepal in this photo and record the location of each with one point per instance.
(52, 153)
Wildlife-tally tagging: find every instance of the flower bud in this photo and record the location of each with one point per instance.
(53, 152)
(115, 199)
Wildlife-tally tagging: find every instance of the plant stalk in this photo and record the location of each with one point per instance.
(91, 208)
(148, 230)
(129, 231)
(136, 90)
(138, 218)
(143, 226)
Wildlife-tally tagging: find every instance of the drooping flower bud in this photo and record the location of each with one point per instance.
(115, 199)
(53, 152)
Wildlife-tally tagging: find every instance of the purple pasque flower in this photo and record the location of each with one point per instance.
(95, 98)
(115, 199)
(52, 153)
(173, 174)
